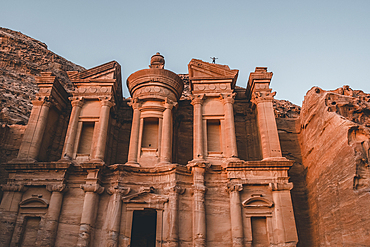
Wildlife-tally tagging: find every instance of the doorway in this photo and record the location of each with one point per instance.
(144, 226)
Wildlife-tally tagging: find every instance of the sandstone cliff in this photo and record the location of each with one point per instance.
(335, 141)
(21, 59)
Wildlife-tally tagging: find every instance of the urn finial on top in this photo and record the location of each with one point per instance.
(157, 61)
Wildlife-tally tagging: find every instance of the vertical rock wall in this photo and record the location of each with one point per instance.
(334, 140)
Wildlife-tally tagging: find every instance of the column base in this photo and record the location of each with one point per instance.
(133, 164)
(22, 161)
(275, 159)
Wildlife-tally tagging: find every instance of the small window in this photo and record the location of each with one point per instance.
(213, 136)
(86, 138)
(150, 133)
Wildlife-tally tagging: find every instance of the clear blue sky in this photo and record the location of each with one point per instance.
(305, 43)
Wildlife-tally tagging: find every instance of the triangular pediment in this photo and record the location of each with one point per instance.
(110, 70)
(200, 69)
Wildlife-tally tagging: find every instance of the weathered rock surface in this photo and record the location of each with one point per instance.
(335, 141)
(21, 59)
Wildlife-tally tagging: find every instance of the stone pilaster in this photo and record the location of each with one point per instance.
(198, 151)
(88, 216)
(106, 105)
(199, 210)
(231, 148)
(30, 147)
(283, 222)
(9, 211)
(172, 235)
(267, 125)
(47, 234)
(69, 143)
(135, 132)
(166, 142)
(236, 215)
(113, 219)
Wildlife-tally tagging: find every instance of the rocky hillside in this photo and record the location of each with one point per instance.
(21, 59)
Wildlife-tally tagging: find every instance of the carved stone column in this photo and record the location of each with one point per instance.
(267, 125)
(30, 147)
(236, 214)
(114, 214)
(283, 223)
(9, 211)
(46, 236)
(166, 143)
(72, 128)
(88, 213)
(232, 150)
(172, 238)
(198, 152)
(106, 104)
(135, 131)
(199, 211)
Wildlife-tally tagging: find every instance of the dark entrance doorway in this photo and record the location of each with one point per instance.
(144, 226)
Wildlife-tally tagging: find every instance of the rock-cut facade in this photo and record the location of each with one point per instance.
(187, 160)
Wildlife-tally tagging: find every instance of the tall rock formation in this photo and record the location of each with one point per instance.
(21, 59)
(335, 141)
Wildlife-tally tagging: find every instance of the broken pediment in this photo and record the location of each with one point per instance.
(110, 70)
(145, 196)
(199, 69)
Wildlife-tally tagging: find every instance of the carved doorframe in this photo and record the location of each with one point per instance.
(145, 199)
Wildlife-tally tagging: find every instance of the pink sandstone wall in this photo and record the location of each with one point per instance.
(334, 141)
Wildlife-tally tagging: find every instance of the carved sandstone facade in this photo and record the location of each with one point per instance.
(166, 167)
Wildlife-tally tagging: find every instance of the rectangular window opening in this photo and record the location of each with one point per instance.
(31, 228)
(259, 232)
(150, 133)
(214, 136)
(144, 225)
(86, 138)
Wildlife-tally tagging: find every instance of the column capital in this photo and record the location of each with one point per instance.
(14, 187)
(106, 101)
(175, 189)
(234, 187)
(228, 98)
(96, 188)
(169, 104)
(200, 188)
(263, 96)
(56, 188)
(43, 101)
(197, 99)
(76, 101)
(134, 103)
(116, 189)
(199, 164)
(280, 186)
